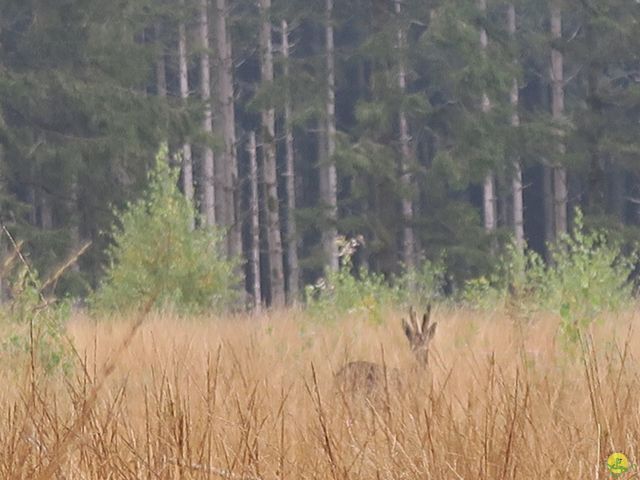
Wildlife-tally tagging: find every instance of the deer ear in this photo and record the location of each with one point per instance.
(414, 321)
(407, 330)
(425, 322)
(431, 331)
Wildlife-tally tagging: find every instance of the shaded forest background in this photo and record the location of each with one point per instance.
(430, 130)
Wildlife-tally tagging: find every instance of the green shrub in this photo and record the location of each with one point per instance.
(518, 276)
(33, 328)
(156, 254)
(341, 293)
(422, 284)
(588, 275)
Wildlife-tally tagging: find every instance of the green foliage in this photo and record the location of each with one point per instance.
(588, 275)
(422, 284)
(518, 275)
(591, 277)
(155, 254)
(81, 118)
(343, 293)
(32, 327)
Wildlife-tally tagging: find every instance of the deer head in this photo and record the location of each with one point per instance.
(419, 334)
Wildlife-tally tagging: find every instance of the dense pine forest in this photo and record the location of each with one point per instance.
(438, 131)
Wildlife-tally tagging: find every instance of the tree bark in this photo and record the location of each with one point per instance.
(560, 193)
(618, 193)
(328, 193)
(46, 212)
(274, 239)
(408, 238)
(207, 165)
(254, 258)
(516, 181)
(489, 185)
(228, 160)
(183, 71)
(291, 233)
(76, 219)
(161, 69)
(547, 194)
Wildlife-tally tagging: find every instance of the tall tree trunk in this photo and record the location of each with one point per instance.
(32, 200)
(207, 164)
(161, 69)
(489, 185)
(618, 193)
(46, 212)
(503, 195)
(596, 193)
(274, 239)
(183, 71)
(76, 219)
(291, 235)
(254, 258)
(329, 188)
(560, 193)
(516, 181)
(408, 242)
(547, 198)
(229, 160)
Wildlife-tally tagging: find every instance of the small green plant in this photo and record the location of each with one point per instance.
(588, 275)
(33, 327)
(422, 284)
(517, 277)
(156, 254)
(591, 274)
(341, 293)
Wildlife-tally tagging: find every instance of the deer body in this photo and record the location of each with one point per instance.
(367, 378)
(370, 380)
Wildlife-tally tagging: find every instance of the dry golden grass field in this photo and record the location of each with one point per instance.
(253, 398)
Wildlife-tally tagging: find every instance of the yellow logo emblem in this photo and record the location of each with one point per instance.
(617, 463)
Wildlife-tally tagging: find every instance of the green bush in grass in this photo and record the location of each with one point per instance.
(157, 255)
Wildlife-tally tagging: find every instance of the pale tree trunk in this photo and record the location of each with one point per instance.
(183, 70)
(254, 258)
(502, 194)
(329, 188)
(229, 160)
(516, 181)
(74, 228)
(3, 238)
(292, 251)
(547, 193)
(489, 185)
(408, 242)
(274, 239)
(46, 212)
(3, 254)
(618, 186)
(560, 192)
(161, 69)
(33, 202)
(207, 164)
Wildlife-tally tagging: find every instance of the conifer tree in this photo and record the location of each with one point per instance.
(269, 171)
(328, 175)
(207, 163)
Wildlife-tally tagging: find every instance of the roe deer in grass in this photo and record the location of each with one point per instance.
(370, 379)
